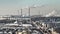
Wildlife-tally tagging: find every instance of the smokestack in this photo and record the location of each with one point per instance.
(21, 12)
(29, 12)
(18, 12)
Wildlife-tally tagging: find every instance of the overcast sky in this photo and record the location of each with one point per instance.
(11, 6)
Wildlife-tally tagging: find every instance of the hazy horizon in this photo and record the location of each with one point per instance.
(11, 7)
